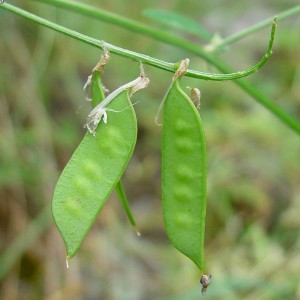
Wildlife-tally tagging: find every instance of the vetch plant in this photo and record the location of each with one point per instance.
(184, 44)
(97, 165)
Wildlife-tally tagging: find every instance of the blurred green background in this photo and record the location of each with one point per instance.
(253, 223)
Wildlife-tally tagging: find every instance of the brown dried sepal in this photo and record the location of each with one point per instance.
(103, 61)
(183, 67)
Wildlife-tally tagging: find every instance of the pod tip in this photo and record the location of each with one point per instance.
(205, 281)
(67, 262)
(137, 232)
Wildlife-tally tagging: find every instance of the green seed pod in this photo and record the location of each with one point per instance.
(93, 172)
(184, 174)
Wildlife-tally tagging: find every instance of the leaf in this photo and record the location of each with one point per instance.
(178, 21)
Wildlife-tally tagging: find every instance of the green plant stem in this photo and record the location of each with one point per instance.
(185, 45)
(121, 193)
(171, 67)
(243, 33)
(126, 23)
(166, 38)
(147, 30)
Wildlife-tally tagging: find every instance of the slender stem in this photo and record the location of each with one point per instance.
(141, 57)
(243, 33)
(170, 39)
(121, 193)
(123, 22)
(143, 29)
(180, 43)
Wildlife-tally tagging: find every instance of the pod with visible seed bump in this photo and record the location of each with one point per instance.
(184, 174)
(93, 172)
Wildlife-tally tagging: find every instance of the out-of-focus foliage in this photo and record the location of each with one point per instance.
(252, 230)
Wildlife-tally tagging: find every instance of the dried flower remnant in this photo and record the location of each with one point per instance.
(100, 110)
(205, 281)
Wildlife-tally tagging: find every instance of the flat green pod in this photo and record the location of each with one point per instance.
(184, 174)
(93, 172)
